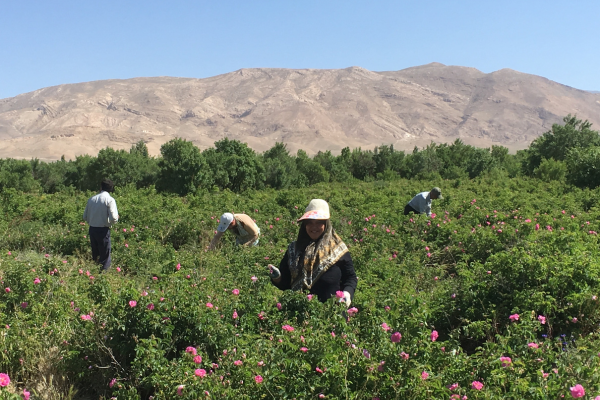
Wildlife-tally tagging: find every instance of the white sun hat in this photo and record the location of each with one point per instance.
(224, 222)
(316, 209)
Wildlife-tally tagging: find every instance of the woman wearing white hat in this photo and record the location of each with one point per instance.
(245, 230)
(318, 261)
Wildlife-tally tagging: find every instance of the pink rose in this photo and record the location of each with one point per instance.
(4, 380)
(424, 375)
(514, 317)
(506, 361)
(477, 385)
(577, 391)
(236, 292)
(132, 303)
(200, 372)
(258, 379)
(434, 336)
(396, 336)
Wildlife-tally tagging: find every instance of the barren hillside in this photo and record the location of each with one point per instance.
(309, 109)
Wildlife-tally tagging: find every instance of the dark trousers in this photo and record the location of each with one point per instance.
(408, 209)
(100, 240)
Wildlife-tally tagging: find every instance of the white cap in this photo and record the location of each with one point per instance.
(316, 209)
(224, 222)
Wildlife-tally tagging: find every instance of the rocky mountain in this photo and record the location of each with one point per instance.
(308, 109)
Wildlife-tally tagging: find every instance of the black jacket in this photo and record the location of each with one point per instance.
(340, 276)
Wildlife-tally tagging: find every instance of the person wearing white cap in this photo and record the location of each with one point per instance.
(242, 226)
(318, 261)
(421, 203)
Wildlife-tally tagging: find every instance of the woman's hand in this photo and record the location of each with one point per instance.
(274, 272)
(347, 299)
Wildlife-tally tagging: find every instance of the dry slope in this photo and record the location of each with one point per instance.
(310, 109)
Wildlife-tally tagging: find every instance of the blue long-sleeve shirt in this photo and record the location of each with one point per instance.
(101, 210)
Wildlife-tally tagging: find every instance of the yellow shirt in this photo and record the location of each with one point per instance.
(246, 230)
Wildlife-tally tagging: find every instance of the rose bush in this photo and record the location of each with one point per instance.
(161, 322)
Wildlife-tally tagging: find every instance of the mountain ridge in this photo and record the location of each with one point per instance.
(310, 109)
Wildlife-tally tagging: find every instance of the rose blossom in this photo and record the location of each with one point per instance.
(4, 380)
(577, 391)
(396, 336)
(200, 372)
(505, 361)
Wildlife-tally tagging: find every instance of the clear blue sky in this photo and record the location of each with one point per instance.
(46, 43)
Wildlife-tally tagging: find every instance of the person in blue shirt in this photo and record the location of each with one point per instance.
(421, 203)
(101, 213)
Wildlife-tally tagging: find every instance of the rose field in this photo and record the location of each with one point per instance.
(493, 297)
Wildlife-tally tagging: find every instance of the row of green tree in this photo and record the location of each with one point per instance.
(569, 152)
